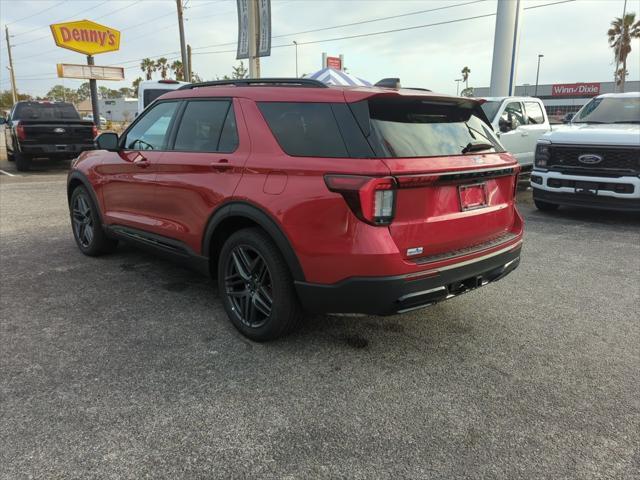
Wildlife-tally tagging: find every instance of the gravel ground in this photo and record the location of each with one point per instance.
(125, 366)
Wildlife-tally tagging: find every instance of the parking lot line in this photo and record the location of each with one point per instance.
(7, 173)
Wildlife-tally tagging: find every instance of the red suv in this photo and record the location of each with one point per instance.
(297, 196)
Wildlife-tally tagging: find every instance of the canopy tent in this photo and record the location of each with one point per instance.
(338, 77)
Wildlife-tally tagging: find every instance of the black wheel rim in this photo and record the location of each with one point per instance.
(82, 220)
(248, 286)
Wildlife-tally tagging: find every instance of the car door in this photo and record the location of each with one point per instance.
(536, 126)
(515, 139)
(210, 146)
(128, 176)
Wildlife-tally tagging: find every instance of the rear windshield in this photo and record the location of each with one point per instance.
(426, 128)
(379, 128)
(150, 94)
(45, 111)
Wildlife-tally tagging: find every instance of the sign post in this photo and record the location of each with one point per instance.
(89, 38)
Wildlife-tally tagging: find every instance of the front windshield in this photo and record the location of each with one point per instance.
(610, 110)
(490, 109)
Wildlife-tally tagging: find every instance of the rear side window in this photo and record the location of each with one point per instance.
(305, 129)
(150, 132)
(534, 113)
(413, 127)
(150, 94)
(207, 126)
(45, 111)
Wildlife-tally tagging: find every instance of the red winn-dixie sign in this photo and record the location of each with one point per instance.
(575, 89)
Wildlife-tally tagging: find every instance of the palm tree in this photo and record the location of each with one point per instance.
(148, 66)
(465, 76)
(135, 84)
(622, 31)
(178, 69)
(162, 64)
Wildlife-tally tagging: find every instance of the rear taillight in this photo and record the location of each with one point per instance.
(372, 199)
(94, 131)
(21, 132)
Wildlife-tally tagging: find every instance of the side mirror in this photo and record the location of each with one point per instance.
(107, 141)
(568, 117)
(505, 125)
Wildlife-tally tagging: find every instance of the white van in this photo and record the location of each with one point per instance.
(149, 90)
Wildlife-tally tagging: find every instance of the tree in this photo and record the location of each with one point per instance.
(135, 84)
(195, 78)
(125, 92)
(148, 66)
(162, 64)
(465, 76)
(178, 70)
(622, 31)
(84, 91)
(467, 92)
(240, 71)
(60, 93)
(6, 99)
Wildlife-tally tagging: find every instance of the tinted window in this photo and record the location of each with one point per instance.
(203, 125)
(514, 111)
(150, 94)
(45, 111)
(305, 129)
(150, 132)
(424, 128)
(534, 113)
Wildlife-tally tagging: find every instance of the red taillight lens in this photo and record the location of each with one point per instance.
(371, 199)
(21, 132)
(94, 131)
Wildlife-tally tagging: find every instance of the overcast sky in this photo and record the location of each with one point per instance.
(572, 37)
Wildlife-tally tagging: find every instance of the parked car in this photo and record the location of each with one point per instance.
(149, 90)
(45, 129)
(299, 196)
(89, 117)
(520, 122)
(595, 160)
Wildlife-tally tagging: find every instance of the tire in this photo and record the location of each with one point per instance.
(256, 286)
(85, 224)
(23, 162)
(546, 206)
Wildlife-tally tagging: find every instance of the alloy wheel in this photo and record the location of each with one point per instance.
(82, 220)
(248, 286)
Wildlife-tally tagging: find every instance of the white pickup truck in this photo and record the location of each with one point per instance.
(595, 160)
(520, 122)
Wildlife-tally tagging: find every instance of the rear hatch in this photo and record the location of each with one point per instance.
(53, 123)
(455, 186)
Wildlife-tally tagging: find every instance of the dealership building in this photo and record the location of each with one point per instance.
(562, 98)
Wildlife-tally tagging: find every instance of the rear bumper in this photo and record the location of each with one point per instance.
(398, 294)
(56, 150)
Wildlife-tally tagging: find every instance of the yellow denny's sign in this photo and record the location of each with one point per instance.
(86, 37)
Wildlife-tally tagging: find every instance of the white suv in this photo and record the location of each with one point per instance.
(595, 160)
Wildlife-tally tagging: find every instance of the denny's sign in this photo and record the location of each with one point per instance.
(86, 37)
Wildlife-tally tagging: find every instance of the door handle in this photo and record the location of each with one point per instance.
(524, 134)
(221, 165)
(141, 161)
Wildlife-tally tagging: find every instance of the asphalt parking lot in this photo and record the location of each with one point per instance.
(125, 366)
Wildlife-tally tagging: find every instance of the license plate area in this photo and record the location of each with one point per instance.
(472, 196)
(589, 188)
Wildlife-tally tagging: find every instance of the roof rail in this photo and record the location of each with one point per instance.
(245, 82)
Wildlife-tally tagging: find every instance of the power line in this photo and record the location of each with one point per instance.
(38, 13)
(58, 21)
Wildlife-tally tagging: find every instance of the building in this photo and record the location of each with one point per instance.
(119, 109)
(562, 98)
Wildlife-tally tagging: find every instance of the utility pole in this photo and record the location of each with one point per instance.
(183, 49)
(93, 87)
(254, 61)
(188, 74)
(296, 44)
(14, 90)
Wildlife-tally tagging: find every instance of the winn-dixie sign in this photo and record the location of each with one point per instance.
(575, 89)
(86, 37)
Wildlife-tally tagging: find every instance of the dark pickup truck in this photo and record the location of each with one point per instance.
(46, 129)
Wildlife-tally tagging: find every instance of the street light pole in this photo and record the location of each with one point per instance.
(458, 80)
(538, 74)
(296, 44)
